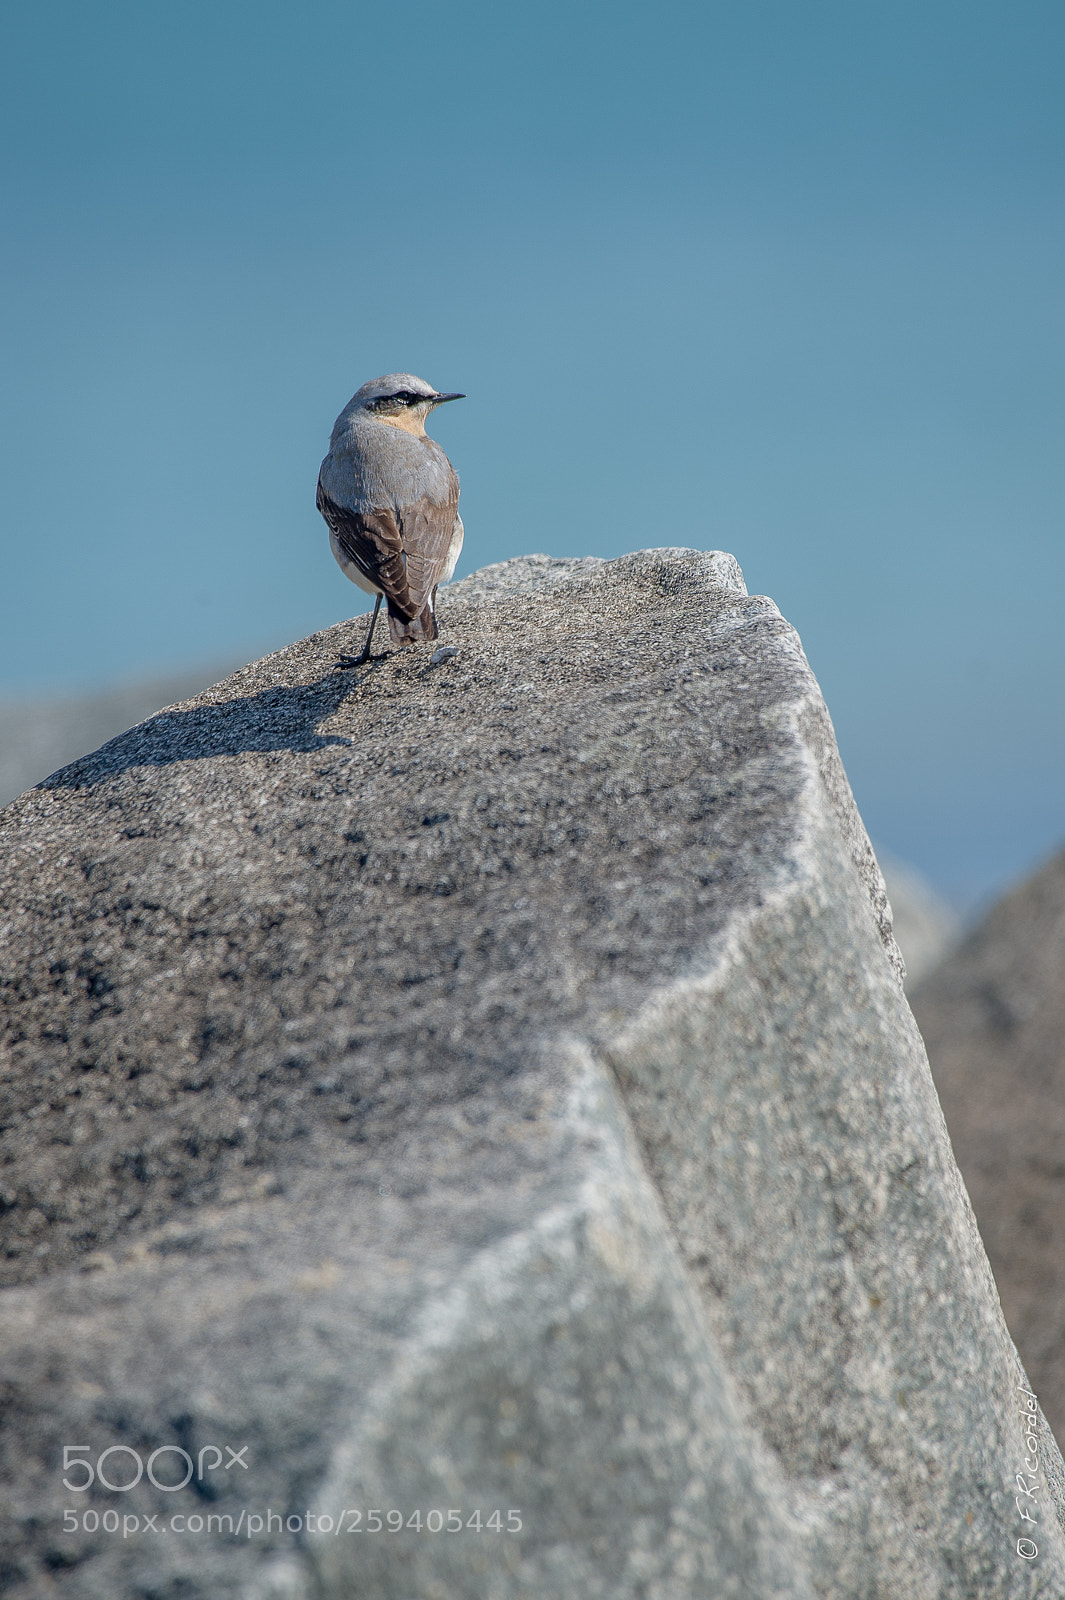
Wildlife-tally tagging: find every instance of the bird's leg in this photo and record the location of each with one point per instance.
(361, 660)
(369, 633)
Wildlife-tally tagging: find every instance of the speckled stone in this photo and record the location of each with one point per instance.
(485, 1083)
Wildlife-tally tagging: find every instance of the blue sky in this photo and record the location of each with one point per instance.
(778, 278)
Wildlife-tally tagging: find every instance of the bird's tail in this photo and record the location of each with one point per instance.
(422, 628)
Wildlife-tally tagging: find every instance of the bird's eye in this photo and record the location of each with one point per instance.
(389, 402)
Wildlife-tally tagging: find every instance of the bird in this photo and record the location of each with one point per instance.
(390, 499)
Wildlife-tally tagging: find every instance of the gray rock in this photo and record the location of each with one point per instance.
(487, 1087)
(993, 1018)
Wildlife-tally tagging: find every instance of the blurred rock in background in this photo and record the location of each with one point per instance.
(993, 1019)
(39, 735)
(926, 927)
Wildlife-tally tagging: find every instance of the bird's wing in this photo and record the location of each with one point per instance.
(428, 530)
(372, 542)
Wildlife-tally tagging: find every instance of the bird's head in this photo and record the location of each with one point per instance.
(400, 399)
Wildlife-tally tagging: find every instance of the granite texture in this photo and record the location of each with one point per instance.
(484, 1084)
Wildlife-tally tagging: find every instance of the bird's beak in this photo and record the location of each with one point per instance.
(438, 399)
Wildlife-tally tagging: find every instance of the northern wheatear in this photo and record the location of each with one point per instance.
(390, 497)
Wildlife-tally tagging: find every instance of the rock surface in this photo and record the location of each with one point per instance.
(487, 1087)
(993, 1018)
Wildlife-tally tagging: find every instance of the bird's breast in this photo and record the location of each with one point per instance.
(369, 468)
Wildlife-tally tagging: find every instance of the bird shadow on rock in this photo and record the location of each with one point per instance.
(275, 719)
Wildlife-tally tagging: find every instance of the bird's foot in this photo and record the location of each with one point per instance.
(344, 663)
